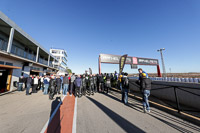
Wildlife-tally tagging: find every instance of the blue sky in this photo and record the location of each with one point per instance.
(86, 28)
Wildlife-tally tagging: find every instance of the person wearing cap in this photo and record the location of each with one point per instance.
(145, 88)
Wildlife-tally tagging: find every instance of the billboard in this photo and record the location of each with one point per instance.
(115, 59)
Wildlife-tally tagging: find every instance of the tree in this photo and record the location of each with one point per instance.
(69, 70)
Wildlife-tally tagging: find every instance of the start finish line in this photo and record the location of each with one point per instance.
(133, 61)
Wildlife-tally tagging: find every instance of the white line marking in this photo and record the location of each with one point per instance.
(75, 117)
(54, 112)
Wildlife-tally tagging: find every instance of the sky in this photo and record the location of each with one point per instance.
(87, 28)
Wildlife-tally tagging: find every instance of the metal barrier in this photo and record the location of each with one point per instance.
(173, 79)
(176, 88)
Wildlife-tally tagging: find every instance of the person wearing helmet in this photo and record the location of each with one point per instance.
(145, 88)
(140, 73)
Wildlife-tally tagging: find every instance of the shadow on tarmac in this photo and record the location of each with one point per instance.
(54, 125)
(123, 123)
(133, 103)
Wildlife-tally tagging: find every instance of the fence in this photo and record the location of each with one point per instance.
(173, 79)
(182, 96)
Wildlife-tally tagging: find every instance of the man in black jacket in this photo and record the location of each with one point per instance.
(58, 84)
(83, 85)
(29, 82)
(95, 83)
(52, 87)
(108, 82)
(125, 88)
(146, 87)
(91, 85)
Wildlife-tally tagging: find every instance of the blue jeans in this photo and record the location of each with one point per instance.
(27, 89)
(46, 87)
(145, 100)
(61, 87)
(120, 86)
(71, 87)
(125, 95)
(20, 85)
(65, 89)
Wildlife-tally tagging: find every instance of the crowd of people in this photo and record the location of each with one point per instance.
(86, 84)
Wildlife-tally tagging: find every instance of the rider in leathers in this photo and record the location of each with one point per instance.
(91, 85)
(52, 87)
(84, 85)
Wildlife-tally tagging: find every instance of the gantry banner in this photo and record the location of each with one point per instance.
(115, 59)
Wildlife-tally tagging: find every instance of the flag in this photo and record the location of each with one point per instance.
(122, 62)
(90, 70)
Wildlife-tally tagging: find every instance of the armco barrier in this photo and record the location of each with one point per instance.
(181, 94)
(173, 79)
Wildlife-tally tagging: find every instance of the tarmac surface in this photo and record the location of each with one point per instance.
(24, 114)
(99, 113)
(104, 113)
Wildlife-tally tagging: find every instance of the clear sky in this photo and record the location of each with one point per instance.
(86, 28)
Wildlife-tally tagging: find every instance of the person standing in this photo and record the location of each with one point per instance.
(52, 87)
(35, 84)
(120, 81)
(20, 84)
(58, 84)
(73, 77)
(46, 84)
(125, 87)
(83, 85)
(29, 82)
(101, 85)
(91, 85)
(42, 83)
(95, 82)
(65, 84)
(146, 87)
(108, 83)
(141, 72)
(78, 83)
(61, 88)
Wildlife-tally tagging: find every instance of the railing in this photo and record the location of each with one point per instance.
(173, 79)
(3, 45)
(43, 61)
(185, 95)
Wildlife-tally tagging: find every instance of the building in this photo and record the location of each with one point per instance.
(61, 63)
(20, 55)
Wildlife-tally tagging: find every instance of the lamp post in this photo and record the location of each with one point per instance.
(163, 64)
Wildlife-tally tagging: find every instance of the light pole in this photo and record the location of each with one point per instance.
(163, 65)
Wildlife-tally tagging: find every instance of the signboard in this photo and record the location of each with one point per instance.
(134, 66)
(146, 61)
(113, 59)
